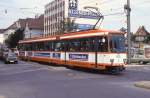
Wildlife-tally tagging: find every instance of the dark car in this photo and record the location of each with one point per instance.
(11, 58)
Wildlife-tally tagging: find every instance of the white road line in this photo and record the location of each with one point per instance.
(58, 68)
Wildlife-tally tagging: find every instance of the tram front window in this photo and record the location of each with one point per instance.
(117, 43)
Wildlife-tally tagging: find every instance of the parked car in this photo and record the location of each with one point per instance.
(11, 57)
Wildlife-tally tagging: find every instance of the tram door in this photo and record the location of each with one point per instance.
(102, 50)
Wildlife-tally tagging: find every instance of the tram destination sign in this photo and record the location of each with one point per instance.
(82, 14)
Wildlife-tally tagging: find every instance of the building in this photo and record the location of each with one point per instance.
(34, 27)
(20, 23)
(139, 39)
(141, 34)
(2, 36)
(11, 29)
(58, 11)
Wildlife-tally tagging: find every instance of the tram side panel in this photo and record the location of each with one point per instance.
(58, 57)
(111, 59)
(49, 57)
(40, 56)
(23, 55)
(86, 60)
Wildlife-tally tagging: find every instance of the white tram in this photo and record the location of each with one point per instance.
(94, 49)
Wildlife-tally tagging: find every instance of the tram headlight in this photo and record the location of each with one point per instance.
(111, 60)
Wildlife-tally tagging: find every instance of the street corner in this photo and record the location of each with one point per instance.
(143, 84)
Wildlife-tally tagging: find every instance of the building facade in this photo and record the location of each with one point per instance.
(60, 10)
(2, 36)
(34, 27)
(140, 38)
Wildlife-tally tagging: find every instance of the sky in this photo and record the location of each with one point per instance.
(12, 10)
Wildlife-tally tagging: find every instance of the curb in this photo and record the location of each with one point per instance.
(143, 84)
(135, 65)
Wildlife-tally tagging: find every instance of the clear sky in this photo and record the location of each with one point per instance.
(11, 10)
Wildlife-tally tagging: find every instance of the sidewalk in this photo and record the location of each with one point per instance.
(136, 65)
(143, 84)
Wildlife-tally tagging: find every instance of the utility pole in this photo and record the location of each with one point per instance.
(128, 9)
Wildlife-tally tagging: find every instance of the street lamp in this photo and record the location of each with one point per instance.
(98, 13)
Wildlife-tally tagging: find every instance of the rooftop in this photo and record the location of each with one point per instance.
(2, 31)
(142, 31)
(33, 23)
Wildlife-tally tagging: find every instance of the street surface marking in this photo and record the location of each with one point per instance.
(57, 68)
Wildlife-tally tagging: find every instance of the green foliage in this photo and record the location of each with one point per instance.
(67, 25)
(147, 38)
(13, 39)
(123, 29)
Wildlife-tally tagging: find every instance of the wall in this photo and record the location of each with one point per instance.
(33, 33)
(55, 13)
(1, 38)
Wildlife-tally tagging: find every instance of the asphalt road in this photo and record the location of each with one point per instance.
(33, 80)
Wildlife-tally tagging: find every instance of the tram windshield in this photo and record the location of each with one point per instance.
(117, 43)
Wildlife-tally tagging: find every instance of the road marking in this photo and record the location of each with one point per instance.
(57, 68)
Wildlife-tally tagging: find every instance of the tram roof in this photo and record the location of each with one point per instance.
(78, 34)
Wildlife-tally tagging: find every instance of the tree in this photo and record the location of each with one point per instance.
(13, 39)
(67, 25)
(123, 29)
(147, 39)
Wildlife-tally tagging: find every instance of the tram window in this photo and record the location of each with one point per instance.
(63, 46)
(47, 46)
(39, 46)
(81, 45)
(24, 47)
(117, 43)
(21, 47)
(103, 44)
(52, 46)
(34, 46)
(87, 45)
(73, 45)
(59, 46)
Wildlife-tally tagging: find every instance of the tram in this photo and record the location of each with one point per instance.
(93, 49)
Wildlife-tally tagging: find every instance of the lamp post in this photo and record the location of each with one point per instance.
(128, 9)
(129, 31)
